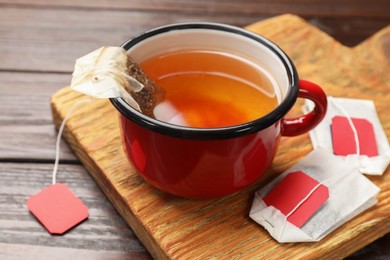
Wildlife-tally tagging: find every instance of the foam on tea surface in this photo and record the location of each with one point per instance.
(210, 89)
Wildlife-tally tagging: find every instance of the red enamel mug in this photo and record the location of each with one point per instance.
(214, 162)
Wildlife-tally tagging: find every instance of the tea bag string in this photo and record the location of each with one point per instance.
(59, 135)
(336, 178)
(355, 135)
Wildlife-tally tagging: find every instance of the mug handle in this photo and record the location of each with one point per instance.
(303, 124)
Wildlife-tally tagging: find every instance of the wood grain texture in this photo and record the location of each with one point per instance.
(171, 227)
(69, 34)
(12, 251)
(35, 35)
(344, 8)
(103, 235)
(26, 128)
(349, 21)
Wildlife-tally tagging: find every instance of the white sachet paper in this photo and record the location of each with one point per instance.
(350, 193)
(103, 73)
(321, 136)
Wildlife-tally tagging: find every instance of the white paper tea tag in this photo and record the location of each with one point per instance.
(354, 110)
(350, 193)
(103, 73)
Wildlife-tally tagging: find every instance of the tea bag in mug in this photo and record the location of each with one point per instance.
(109, 72)
(357, 121)
(334, 193)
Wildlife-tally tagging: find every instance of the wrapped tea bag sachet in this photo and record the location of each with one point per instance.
(352, 131)
(312, 198)
(109, 72)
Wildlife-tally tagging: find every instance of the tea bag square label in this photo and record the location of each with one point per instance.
(343, 138)
(297, 188)
(57, 208)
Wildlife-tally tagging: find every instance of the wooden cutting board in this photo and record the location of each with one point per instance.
(172, 227)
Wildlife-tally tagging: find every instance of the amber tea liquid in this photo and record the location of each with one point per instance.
(210, 89)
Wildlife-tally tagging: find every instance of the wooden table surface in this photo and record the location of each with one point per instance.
(39, 41)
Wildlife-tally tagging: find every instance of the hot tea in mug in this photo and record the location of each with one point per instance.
(218, 127)
(210, 89)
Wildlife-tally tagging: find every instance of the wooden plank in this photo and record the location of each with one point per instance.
(342, 20)
(24, 96)
(172, 227)
(26, 128)
(102, 234)
(11, 251)
(41, 40)
(307, 8)
(32, 143)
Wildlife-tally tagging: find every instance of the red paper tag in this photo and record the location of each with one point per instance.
(344, 141)
(57, 208)
(291, 191)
